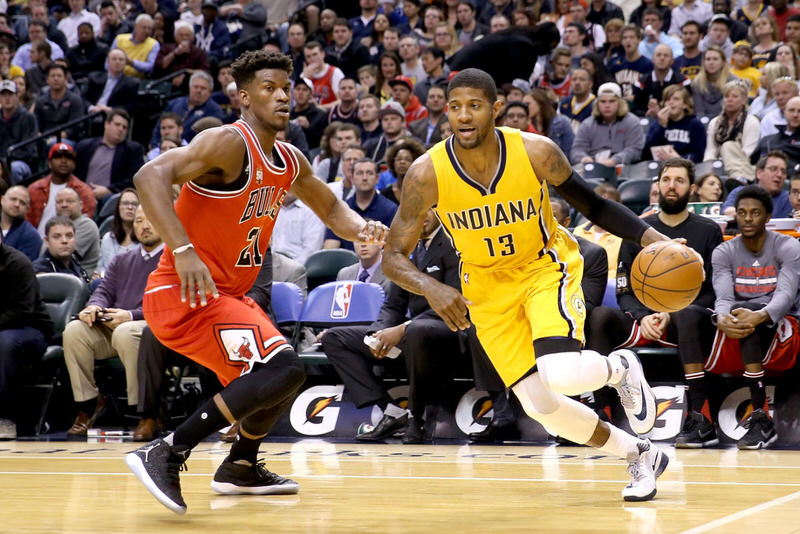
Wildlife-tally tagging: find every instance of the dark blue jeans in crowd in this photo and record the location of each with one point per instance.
(19, 348)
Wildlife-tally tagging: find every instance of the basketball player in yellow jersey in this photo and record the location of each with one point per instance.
(521, 272)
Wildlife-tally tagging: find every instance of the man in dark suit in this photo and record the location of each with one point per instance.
(428, 346)
(346, 53)
(108, 163)
(112, 89)
(368, 268)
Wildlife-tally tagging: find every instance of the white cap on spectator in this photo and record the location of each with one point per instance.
(610, 88)
(522, 85)
(8, 85)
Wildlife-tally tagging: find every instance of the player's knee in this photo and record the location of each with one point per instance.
(294, 369)
(558, 371)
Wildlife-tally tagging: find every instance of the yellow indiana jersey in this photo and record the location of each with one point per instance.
(505, 225)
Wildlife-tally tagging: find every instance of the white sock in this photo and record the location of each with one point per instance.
(393, 410)
(621, 444)
(168, 439)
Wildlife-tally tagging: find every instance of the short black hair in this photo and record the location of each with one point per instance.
(171, 116)
(87, 24)
(244, 69)
(793, 18)
(107, 3)
(695, 24)
(371, 161)
(437, 53)
(653, 11)
(474, 79)
(118, 112)
(518, 104)
(577, 25)
(678, 162)
(755, 192)
(58, 220)
(52, 66)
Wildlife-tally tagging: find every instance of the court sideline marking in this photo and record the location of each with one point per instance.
(743, 513)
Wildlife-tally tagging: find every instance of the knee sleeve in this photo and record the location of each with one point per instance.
(267, 385)
(559, 415)
(573, 373)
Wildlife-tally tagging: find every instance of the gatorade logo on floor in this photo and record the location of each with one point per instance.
(315, 412)
(670, 407)
(474, 411)
(736, 409)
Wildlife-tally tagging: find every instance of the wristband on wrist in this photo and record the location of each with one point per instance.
(182, 248)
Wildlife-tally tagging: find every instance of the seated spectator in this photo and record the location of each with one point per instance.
(87, 237)
(403, 94)
(346, 107)
(325, 77)
(366, 201)
(770, 175)
(468, 29)
(195, 106)
(78, 15)
(433, 62)
(88, 55)
(7, 70)
(17, 124)
(612, 48)
(787, 139)
(611, 135)
(346, 135)
(305, 112)
(344, 188)
(689, 329)
(787, 56)
(43, 191)
(709, 189)
(295, 41)
(743, 68)
(652, 23)
(578, 106)
(111, 23)
(573, 38)
(599, 236)
(224, 78)
(558, 76)
(168, 142)
(39, 12)
(36, 75)
(399, 158)
(366, 79)
(666, 15)
(298, 232)
(17, 232)
(111, 89)
(369, 116)
(37, 33)
(649, 89)
(708, 84)
(346, 53)
(212, 35)
(58, 106)
(499, 23)
(428, 346)
(593, 64)
(694, 10)
(108, 163)
(718, 34)
(593, 35)
(428, 130)
(765, 102)
(764, 33)
(690, 63)
(738, 29)
(628, 68)
(517, 116)
(111, 325)
(677, 133)
(59, 257)
(121, 238)
(182, 54)
(25, 329)
(169, 124)
(756, 283)
(733, 134)
(141, 50)
(368, 268)
(542, 106)
(783, 89)
(392, 117)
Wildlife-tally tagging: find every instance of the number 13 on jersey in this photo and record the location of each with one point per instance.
(505, 245)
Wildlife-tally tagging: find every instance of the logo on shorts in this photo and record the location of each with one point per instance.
(341, 301)
(466, 278)
(578, 305)
(241, 344)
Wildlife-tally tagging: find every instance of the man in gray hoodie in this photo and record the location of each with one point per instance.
(612, 135)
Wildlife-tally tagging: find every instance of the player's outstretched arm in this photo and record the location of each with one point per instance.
(213, 157)
(334, 212)
(550, 164)
(420, 194)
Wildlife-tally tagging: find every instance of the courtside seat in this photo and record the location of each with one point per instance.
(105, 226)
(339, 304)
(323, 265)
(595, 171)
(711, 167)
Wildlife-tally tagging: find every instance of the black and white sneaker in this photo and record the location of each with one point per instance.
(157, 466)
(644, 471)
(635, 395)
(760, 431)
(241, 477)
(698, 432)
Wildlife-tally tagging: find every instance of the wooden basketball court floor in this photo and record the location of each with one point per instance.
(49, 487)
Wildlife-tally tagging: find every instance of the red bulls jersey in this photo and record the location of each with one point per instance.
(230, 227)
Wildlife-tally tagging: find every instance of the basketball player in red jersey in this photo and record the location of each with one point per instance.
(236, 178)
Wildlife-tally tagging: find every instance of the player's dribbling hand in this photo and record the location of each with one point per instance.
(449, 304)
(195, 277)
(373, 233)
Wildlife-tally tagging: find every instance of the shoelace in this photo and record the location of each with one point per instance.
(174, 467)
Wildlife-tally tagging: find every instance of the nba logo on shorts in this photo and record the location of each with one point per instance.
(341, 301)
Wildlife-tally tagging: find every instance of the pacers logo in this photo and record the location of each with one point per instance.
(736, 409)
(314, 412)
(474, 411)
(341, 301)
(670, 406)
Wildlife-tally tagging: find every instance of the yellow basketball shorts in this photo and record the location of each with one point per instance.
(513, 307)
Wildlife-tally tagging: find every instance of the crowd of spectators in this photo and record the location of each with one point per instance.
(697, 82)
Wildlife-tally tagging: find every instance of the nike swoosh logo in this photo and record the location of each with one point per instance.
(765, 435)
(642, 415)
(705, 435)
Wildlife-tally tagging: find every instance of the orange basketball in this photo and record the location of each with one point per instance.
(666, 276)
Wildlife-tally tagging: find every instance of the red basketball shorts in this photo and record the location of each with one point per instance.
(725, 357)
(227, 336)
